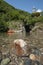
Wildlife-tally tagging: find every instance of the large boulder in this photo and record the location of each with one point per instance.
(21, 42)
(36, 35)
(20, 46)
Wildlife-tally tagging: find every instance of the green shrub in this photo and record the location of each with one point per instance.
(3, 26)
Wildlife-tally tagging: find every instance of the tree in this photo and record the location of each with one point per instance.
(35, 14)
(3, 26)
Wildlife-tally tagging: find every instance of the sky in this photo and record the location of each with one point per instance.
(26, 5)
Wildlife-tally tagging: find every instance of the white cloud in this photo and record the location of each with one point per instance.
(39, 10)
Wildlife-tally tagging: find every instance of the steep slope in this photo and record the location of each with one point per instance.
(8, 12)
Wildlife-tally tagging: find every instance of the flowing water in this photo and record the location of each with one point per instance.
(11, 36)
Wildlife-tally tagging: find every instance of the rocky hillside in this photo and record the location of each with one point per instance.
(36, 37)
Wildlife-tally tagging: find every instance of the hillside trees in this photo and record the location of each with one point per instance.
(35, 14)
(3, 26)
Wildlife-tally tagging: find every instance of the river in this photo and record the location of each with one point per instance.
(10, 37)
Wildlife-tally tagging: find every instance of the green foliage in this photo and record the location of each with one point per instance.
(7, 12)
(42, 13)
(36, 14)
(29, 23)
(3, 26)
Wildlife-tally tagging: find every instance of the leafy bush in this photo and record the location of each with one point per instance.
(3, 27)
(36, 14)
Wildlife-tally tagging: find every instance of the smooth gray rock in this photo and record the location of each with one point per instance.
(5, 61)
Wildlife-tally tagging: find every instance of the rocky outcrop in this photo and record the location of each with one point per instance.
(36, 38)
(36, 35)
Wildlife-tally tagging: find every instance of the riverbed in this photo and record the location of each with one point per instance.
(6, 39)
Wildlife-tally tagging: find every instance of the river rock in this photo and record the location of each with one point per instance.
(12, 63)
(0, 56)
(21, 42)
(21, 63)
(19, 46)
(5, 61)
(36, 35)
(41, 58)
(32, 57)
(27, 62)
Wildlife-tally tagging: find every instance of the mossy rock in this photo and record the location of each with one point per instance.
(5, 61)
